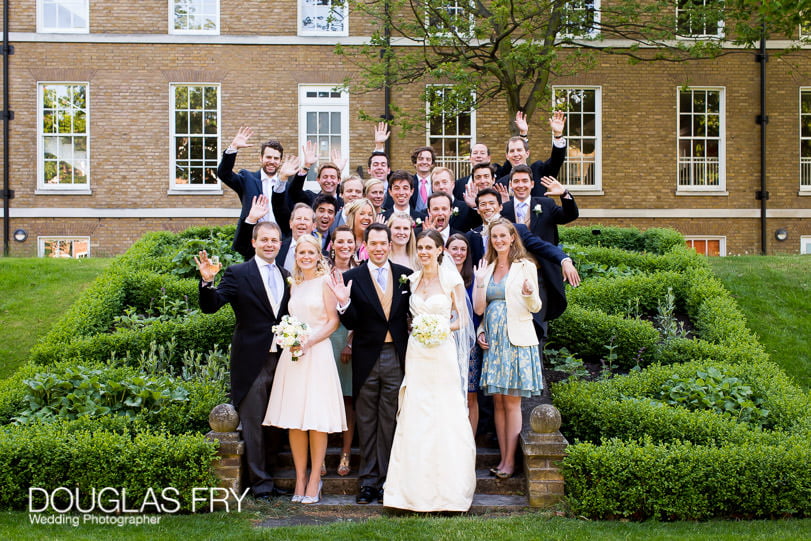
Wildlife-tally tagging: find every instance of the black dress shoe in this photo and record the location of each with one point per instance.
(380, 495)
(366, 495)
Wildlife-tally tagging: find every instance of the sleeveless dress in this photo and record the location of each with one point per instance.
(306, 393)
(507, 369)
(433, 457)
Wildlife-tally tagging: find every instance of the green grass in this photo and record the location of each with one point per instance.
(532, 526)
(34, 292)
(775, 294)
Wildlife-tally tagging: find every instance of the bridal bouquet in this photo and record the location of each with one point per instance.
(430, 329)
(291, 333)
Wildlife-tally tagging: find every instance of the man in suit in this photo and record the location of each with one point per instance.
(329, 178)
(423, 159)
(257, 291)
(302, 222)
(401, 189)
(463, 218)
(373, 301)
(478, 154)
(540, 214)
(326, 209)
(439, 215)
(518, 152)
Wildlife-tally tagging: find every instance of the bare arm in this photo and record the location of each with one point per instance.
(330, 325)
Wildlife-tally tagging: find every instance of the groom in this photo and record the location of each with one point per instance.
(373, 302)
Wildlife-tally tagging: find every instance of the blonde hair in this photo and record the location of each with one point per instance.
(411, 245)
(517, 250)
(321, 264)
(353, 208)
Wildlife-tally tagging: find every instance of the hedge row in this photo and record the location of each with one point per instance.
(685, 481)
(87, 454)
(654, 240)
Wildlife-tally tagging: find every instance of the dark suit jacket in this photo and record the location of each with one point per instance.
(297, 194)
(388, 211)
(549, 168)
(461, 183)
(247, 185)
(545, 224)
(548, 257)
(365, 316)
(243, 289)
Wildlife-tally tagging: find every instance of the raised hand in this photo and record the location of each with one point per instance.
(241, 139)
(553, 187)
(259, 208)
(428, 223)
(526, 288)
(470, 194)
(289, 167)
(380, 218)
(480, 271)
(208, 269)
(335, 157)
(309, 154)
(521, 123)
(382, 135)
(557, 123)
(570, 273)
(339, 289)
(502, 189)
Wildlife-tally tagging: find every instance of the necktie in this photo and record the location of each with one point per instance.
(274, 287)
(423, 191)
(520, 212)
(381, 278)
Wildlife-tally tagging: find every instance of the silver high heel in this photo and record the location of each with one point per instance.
(313, 499)
(296, 498)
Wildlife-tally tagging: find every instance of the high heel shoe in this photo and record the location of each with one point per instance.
(296, 498)
(343, 465)
(313, 499)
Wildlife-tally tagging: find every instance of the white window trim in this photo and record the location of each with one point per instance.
(42, 239)
(303, 32)
(597, 187)
(60, 189)
(805, 244)
(41, 21)
(189, 189)
(173, 30)
(328, 105)
(722, 245)
(462, 161)
(721, 189)
(804, 190)
(471, 21)
(696, 37)
(591, 34)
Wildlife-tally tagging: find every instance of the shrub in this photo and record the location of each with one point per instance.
(655, 240)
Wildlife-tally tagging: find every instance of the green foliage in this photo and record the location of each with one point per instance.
(681, 480)
(654, 240)
(89, 455)
(564, 361)
(218, 242)
(163, 308)
(715, 391)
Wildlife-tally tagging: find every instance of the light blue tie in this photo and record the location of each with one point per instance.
(521, 212)
(274, 287)
(381, 278)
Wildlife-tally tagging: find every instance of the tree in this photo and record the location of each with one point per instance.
(508, 49)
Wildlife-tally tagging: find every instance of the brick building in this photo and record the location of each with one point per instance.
(121, 114)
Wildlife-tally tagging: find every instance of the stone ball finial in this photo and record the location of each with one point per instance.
(223, 418)
(545, 419)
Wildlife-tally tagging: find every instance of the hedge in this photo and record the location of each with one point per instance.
(677, 259)
(655, 240)
(83, 454)
(685, 481)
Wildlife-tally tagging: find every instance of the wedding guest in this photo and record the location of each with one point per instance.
(306, 394)
(459, 249)
(506, 294)
(351, 190)
(375, 191)
(403, 245)
(359, 215)
(342, 257)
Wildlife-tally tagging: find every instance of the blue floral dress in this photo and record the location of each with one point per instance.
(507, 369)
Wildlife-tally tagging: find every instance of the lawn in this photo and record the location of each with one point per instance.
(775, 294)
(33, 294)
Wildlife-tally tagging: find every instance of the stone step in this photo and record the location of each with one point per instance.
(485, 458)
(349, 485)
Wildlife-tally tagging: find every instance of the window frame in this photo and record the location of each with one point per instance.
(327, 104)
(461, 165)
(180, 31)
(41, 28)
(804, 161)
(719, 34)
(301, 31)
(41, 240)
(805, 244)
(598, 139)
(466, 33)
(45, 187)
(592, 32)
(720, 188)
(722, 244)
(174, 186)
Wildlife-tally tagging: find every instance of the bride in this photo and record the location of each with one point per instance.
(433, 457)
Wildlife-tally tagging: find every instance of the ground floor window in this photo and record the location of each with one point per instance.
(709, 246)
(72, 247)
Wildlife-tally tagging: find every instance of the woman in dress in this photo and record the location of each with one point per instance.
(375, 191)
(433, 457)
(360, 213)
(403, 245)
(342, 255)
(306, 395)
(459, 249)
(506, 292)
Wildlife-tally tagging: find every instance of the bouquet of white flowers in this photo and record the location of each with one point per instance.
(291, 333)
(430, 329)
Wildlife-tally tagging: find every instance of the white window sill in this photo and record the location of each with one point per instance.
(578, 192)
(703, 193)
(42, 191)
(804, 193)
(217, 191)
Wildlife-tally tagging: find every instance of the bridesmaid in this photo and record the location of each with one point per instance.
(506, 293)
(375, 191)
(359, 215)
(342, 256)
(403, 246)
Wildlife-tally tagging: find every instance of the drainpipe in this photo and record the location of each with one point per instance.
(8, 116)
(762, 195)
(386, 86)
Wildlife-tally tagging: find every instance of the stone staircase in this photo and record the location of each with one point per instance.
(492, 494)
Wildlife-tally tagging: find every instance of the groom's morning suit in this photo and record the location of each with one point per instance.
(379, 320)
(252, 365)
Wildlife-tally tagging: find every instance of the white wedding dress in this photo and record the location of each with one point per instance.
(433, 457)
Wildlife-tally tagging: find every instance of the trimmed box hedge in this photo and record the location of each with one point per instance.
(655, 240)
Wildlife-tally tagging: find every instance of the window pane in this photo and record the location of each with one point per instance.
(62, 134)
(196, 144)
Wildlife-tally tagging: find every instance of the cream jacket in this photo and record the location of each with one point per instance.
(520, 329)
